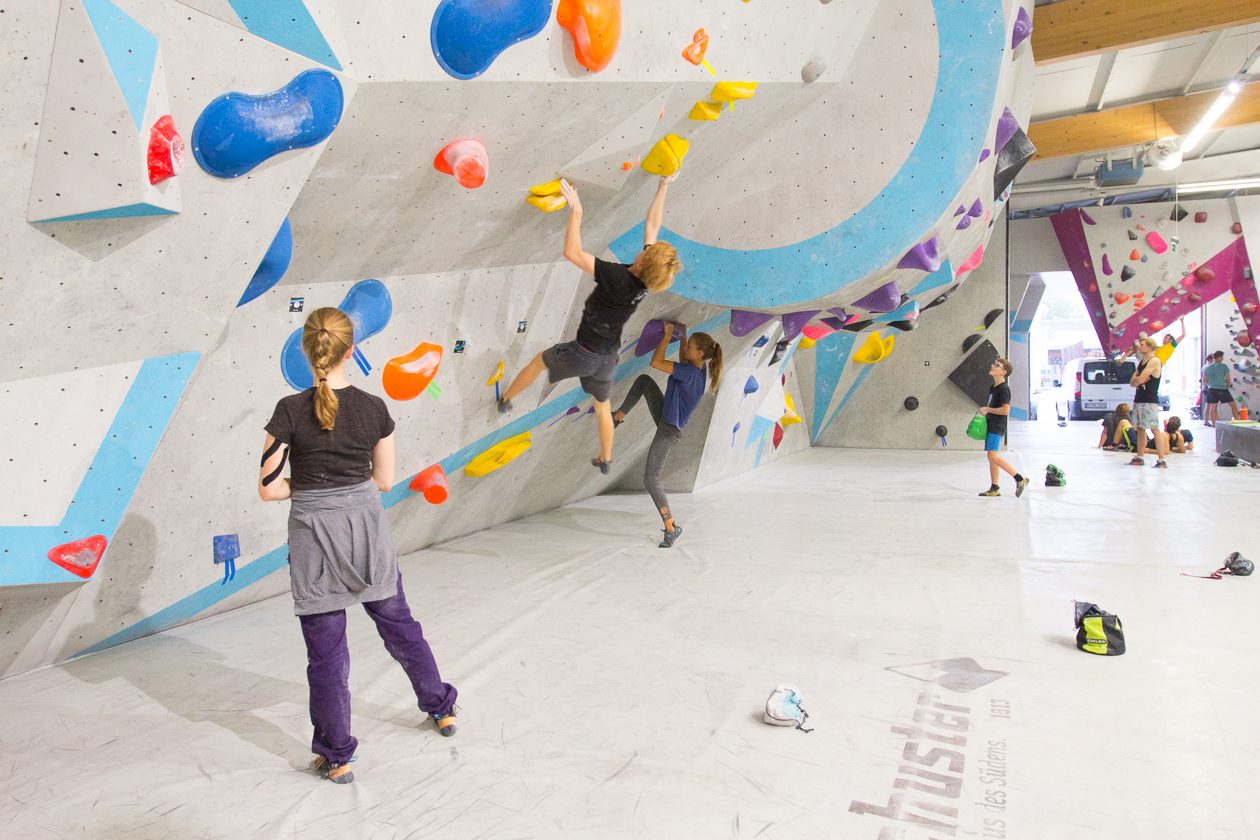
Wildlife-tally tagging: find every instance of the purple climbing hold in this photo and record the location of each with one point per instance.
(884, 299)
(977, 209)
(1087, 219)
(1022, 29)
(1106, 265)
(964, 223)
(651, 336)
(834, 322)
(742, 323)
(1006, 128)
(961, 209)
(984, 155)
(794, 322)
(839, 312)
(922, 257)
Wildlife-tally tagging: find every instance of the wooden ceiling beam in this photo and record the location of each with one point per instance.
(1133, 125)
(1079, 28)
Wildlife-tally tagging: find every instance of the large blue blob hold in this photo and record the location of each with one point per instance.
(369, 306)
(468, 35)
(273, 266)
(237, 131)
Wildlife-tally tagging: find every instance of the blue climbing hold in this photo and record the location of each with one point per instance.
(273, 266)
(751, 386)
(238, 131)
(468, 35)
(369, 307)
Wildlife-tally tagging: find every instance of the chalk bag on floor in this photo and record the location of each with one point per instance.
(783, 708)
(1098, 631)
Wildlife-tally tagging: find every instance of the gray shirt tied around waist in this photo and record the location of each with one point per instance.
(340, 549)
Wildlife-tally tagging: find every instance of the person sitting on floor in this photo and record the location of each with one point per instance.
(1179, 440)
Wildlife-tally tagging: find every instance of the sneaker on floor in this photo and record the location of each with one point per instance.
(1020, 485)
(671, 536)
(992, 491)
(505, 406)
(1137, 462)
(601, 464)
(445, 723)
(335, 772)
(1161, 464)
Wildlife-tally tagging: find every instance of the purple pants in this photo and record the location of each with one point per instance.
(328, 670)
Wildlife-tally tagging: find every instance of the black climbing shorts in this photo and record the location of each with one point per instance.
(594, 371)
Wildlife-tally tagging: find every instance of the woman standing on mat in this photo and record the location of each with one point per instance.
(341, 442)
(592, 356)
(671, 411)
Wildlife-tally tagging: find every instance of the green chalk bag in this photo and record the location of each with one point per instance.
(978, 428)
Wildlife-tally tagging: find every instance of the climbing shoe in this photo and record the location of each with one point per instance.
(1019, 487)
(992, 491)
(1161, 464)
(335, 772)
(601, 464)
(671, 536)
(504, 406)
(1137, 462)
(445, 723)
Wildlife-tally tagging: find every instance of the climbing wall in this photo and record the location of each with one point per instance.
(188, 179)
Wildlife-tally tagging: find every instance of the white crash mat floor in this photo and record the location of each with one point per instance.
(610, 689)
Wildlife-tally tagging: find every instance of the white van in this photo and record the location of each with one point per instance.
(1092, 387)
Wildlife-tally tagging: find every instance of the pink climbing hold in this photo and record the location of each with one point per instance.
(466, 159)
(81, 557)
(1157, 243)
(166, 150)
(971, 263)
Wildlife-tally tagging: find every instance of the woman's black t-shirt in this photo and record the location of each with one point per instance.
(340, 457)
(617, 293)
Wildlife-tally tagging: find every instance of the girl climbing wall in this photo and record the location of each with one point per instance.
(671, 411)
(341, 552)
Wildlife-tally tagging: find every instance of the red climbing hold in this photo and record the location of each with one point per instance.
(405, 377)
(166, 150)
(1204, 274)
(79, 557)
(596, 29)
(778, 435)
(466, 159)
(431, 482)
(1243, 338)
(1121, 297)
(1200, 217)
(1236, 227)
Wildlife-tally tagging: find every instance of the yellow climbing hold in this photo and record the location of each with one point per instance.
(705, 111)
(546, 197)
(807, 342)
(666, 156)
(498, 455)
(498, 374)
(790, 417)
(733, 91)
(875, 349)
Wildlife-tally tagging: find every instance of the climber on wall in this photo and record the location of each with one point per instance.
(340, 444)
(592, 356)
(671, 411)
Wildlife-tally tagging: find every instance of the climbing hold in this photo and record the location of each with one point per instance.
(1204, 274)
(1134, 255)
(790, 417)
(963, 223)
(941, 432)
(369, 307)
(884, 299)
(273, 266)
(1087, 219)
(1126, 212)
(705, 111)
(912, 404)
(970, 341)
(666, 156)
(166, 150)
(1248, 308)
(1178, 213)
(742, 323)
(971, 263)
(546, 197)
(1236, 227)
(651, 336)
(1106, 266)
(466, 159)
(794, 321)
(236, 132)
(960, 210)
(1121, 297)
(812, 70)
(777, 437)
(497, 375)
(81, 557)
(991, 316)
(1133, 236)
(751, 386)
(499, 455)
(1200, 217)
(816, 331)
(405, 377)
(1243, 338)
(694, 52)
(468, 35)
(732, 92)
(431, 483)
(876, 348)
(1126, 273)
(923, 257)
(1022, 28)
(595, 26)
(1157, 325)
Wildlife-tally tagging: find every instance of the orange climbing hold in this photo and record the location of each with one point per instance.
(1121, 297)
(694, 52)
(406, 377)
(596, 29)
(431, 483)
(466, 159)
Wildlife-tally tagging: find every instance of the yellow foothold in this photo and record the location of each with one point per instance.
(790, 417)
(498, 374)
(549, 188)
(498, 455)
(807, 343)
(875, 349)
(705, 111)
(732, 91)
(666, 156)
(547, 203)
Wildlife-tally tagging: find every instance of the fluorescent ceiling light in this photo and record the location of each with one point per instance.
(1196, 135)
(1213, 186)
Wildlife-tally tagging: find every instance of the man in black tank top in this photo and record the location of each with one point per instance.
(1146, 405)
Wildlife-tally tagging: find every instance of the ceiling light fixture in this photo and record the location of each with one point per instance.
(1208, 120)
(1215, 186)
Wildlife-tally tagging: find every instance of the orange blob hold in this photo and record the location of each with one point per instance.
(596, 29)
(626, 166)
(406, 377)
(431, 482)
(466, 159)
(1121, 297)
(1134, 256)
(694, 52)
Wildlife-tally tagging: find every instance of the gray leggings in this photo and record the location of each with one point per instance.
(662, 444)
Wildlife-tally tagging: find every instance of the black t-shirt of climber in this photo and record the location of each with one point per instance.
(337, 457)
(999, 395)
(617, 293)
